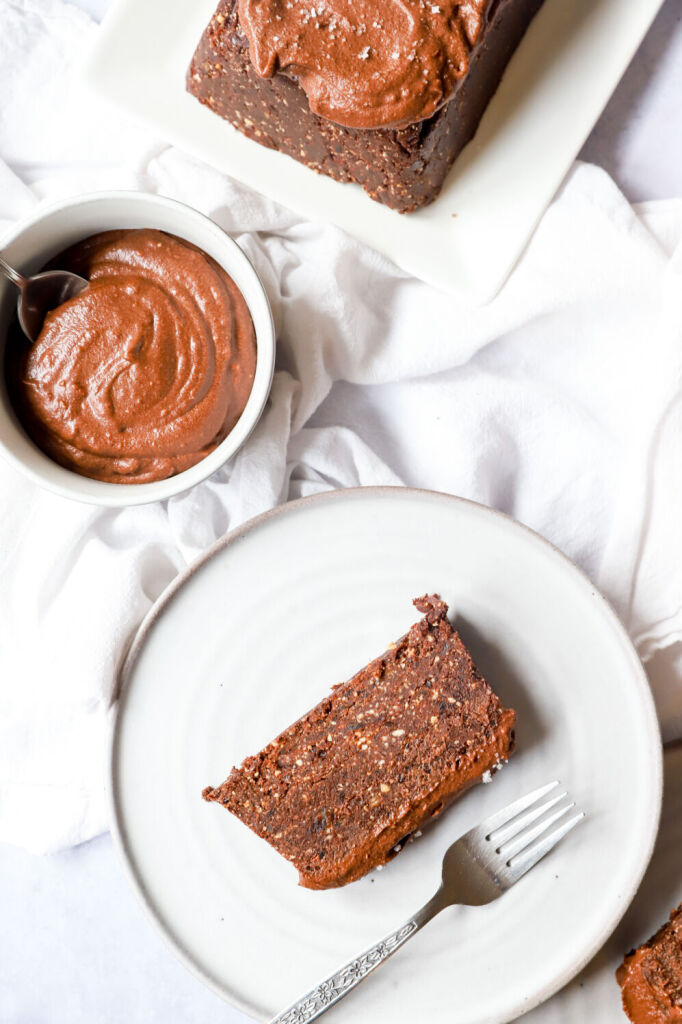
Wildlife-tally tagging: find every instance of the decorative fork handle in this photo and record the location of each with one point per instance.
(337, 985)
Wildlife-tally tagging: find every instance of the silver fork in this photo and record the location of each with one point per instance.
(480, 866)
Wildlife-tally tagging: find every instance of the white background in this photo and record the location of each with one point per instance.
(74, 946)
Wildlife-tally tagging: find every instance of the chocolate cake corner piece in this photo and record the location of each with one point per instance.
(339, 791)
(403, 168)
(650, 977)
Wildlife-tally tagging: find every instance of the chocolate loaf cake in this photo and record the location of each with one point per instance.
(651, 976)
(341, 790)
(381, 94)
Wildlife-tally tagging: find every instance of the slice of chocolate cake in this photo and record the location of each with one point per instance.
(339, 791)
(651, 977)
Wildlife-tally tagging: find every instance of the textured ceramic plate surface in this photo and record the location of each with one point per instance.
(469, 239)
(594, 995)
(276, 614)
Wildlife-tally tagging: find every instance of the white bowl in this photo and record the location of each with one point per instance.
(52, 229)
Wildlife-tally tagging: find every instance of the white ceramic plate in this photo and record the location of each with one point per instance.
(256, 634)
(467, 241)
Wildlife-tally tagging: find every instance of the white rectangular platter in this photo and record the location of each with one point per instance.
(468, 241)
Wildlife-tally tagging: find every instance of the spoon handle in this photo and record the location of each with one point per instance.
(12, 274)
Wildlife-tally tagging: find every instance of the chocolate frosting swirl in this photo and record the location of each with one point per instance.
(366, 63)
(145, 372)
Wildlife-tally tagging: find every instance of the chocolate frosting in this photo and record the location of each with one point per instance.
(363, 63)
(651, 976)
(145, 372)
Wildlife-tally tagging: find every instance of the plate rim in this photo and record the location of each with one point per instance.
(167, 596)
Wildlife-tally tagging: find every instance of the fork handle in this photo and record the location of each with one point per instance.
(316, 1002)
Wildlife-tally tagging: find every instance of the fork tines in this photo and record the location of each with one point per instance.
(521, 846)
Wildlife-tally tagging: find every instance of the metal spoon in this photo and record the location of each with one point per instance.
(40, 294)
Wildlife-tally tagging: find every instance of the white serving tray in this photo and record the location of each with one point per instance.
(468, 241)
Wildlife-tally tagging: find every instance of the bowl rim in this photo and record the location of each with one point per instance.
(65, 482)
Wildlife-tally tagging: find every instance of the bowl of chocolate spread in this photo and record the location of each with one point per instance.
(152, 378)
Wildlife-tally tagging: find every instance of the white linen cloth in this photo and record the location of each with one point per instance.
(559, 403)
